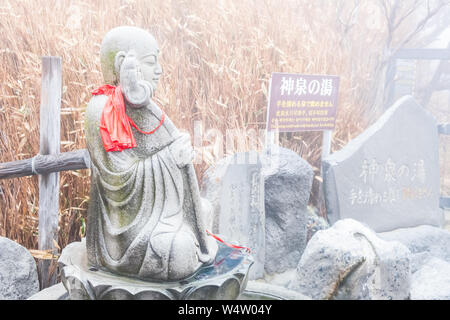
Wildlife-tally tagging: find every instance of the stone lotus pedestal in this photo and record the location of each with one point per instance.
(225, 279)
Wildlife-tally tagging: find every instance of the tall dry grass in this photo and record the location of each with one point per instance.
(217, 58)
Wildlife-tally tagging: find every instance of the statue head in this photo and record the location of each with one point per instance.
(118, 42)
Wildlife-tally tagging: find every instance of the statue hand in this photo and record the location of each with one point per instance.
(135, 90)
(182, 150)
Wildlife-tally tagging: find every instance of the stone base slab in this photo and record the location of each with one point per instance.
(225, 279)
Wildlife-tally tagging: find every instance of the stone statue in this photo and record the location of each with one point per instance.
(146, 218)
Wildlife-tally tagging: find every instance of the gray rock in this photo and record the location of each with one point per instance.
(315, 223)
(388, 177)
(431, 281)
(418, 260)
(348, 261)
(18, 272)
(432, 240)
(287, 190)
(430, 262)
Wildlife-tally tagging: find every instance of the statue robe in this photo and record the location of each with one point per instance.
(140, 216)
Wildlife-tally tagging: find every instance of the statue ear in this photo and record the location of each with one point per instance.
(118, 61)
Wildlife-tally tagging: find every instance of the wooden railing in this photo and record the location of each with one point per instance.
(47, 164)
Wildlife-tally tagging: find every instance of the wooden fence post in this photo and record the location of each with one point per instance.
(49, 183)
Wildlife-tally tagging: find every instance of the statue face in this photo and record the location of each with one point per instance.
(149, 66)
(121, 40)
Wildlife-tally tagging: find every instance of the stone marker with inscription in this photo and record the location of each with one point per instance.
(242, 219)
(388, 177)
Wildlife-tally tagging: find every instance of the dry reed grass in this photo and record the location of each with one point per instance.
(217, 59)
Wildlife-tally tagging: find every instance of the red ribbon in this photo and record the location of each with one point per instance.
(115, 129)
(148, 132)
(227, 244)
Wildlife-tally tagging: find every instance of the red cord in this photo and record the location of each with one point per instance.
(227, 244)
(148, 132)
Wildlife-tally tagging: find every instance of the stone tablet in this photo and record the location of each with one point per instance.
(388, 177)
(242, 218)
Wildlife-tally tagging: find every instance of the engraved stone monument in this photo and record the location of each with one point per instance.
(388, 177)
(242, 217)
(146, 223)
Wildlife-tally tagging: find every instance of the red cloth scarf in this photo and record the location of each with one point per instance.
(115, 125)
